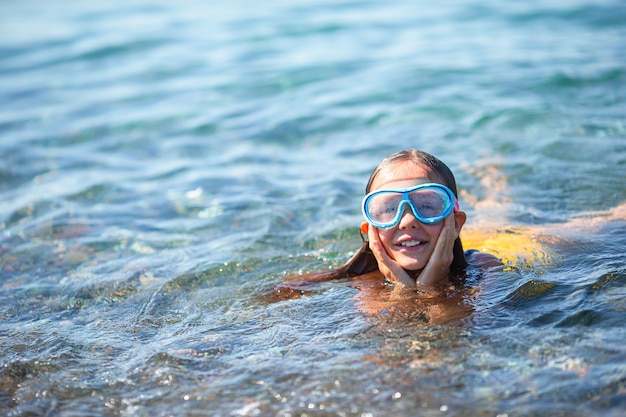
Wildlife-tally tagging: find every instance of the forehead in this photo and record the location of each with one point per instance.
(402, 175)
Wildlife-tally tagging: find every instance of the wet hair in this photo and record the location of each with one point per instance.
(363, 261)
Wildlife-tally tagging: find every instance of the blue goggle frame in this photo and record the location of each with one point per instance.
(451, 204)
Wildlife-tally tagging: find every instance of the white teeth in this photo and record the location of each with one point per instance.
(410, 243)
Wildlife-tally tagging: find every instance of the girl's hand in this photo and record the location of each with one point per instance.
(438, 265)
(387, 266)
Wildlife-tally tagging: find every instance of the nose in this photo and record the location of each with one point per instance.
(407, 218)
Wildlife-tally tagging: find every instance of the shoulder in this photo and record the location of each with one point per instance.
(482, 260)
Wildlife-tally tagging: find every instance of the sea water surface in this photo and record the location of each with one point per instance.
(165, 165)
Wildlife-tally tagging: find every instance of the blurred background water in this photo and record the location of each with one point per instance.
(164, 163)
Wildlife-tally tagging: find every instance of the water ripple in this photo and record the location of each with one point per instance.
(163, 167)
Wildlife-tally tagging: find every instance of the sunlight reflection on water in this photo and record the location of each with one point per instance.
(165, 168)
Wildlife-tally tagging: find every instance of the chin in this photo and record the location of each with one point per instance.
(412, 269)
(411, 265)
(408, 262)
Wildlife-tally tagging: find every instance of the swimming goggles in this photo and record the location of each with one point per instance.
(430, 203)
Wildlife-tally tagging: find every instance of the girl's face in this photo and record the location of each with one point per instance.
(410, 243)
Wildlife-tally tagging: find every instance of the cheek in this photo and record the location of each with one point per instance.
(386, 237)
(434, 230)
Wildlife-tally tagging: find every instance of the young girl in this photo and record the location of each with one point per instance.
(413, 222)
(411, 232)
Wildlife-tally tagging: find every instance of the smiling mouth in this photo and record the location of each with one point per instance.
(410, 243)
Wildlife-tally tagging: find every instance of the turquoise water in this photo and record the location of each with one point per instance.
(165, 165)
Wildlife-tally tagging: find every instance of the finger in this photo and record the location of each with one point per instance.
(442, 255)
(444, 237)
(372, 233)
(377, 246)
(448, 232)
(387, 266)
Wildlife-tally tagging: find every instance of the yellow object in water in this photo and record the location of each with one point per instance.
(515, 247)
